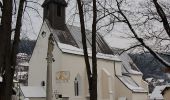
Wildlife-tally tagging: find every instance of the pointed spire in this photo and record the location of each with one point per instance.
(61, 2)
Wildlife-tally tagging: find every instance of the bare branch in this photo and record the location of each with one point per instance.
(140, 39)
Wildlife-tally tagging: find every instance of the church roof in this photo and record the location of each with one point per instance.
(61, 2)
(131, 84)
(128, 66)
(72, 36)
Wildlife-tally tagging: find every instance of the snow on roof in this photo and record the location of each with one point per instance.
(131, 84)
(72, 36)
(22, 73)
(33, 91)
(128, 64)
(23, 64)
(161, 80)
(22, 54)
(165, 89)
(156, 94)
(74, 50)
(149, 79)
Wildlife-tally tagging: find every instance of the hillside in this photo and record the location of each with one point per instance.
(27, 46)
(149, 66)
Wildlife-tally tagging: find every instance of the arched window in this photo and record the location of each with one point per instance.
(77, 85)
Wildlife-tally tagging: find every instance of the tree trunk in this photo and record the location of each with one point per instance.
(83, 33)
(17, 36)
(92, 75)
(94, 59)
(6, 31)
(9, 54)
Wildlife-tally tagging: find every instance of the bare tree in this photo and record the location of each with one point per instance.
(91, 74)
(9, 50)
(133, 25)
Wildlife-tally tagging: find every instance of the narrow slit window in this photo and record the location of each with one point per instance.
(76, 87)
(58, 10)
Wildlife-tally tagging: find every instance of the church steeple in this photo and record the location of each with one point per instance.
(54, 12)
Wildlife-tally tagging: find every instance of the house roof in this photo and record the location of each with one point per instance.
(23, 64)
(149, 79)
(156, 94)
(131, 84)
(72, 36)
(128, 65)
(33, 91)
(165, 89)
(61, 2)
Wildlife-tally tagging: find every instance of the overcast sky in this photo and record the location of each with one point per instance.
(32, 24)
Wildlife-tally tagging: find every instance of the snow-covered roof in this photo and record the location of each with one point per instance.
(128, 66)
(149, 79)
(131, 84)
(22, 73)
(165, 89)
(72, 36)
(22, 54)
(23, 64)
(161, 80)
(74, 50)
(33, 91)
(156, 94)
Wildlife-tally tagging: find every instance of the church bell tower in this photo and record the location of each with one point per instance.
(54, 12)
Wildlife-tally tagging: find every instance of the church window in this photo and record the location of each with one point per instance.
(58, 10)
(77, 85)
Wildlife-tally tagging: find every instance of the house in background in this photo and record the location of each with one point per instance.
(156, 94)
(69, 79)
(160, 93)
(21, 71)
(166, 92)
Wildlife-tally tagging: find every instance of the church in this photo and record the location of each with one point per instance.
(118, 77)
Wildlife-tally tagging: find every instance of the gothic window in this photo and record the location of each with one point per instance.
(77, 85)
(58, 10)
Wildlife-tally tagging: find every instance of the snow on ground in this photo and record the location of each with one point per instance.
(33, 91)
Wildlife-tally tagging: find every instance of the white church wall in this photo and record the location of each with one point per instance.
(74, 64)
(38, 62)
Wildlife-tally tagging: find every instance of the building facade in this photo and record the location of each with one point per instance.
(69, 77)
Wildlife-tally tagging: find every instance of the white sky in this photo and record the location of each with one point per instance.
(33, 22)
